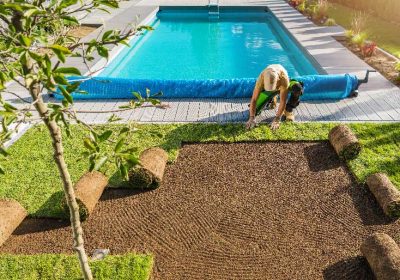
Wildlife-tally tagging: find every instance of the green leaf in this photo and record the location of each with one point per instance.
(3, 152)
(89, 144)
(24, 40)
(9, 108)
(153, 101)
(103, 51)
(60, 48)
(124, 130)
(137, 95)
(67, 3)
(6, 114)
(60, 55)
(144, 27)
(124, 171)
(113, 118)
(66, 95)
(2, 171)
(32, 12)
(60, 79)
(68, 71)
(60, 52)
(119, 145)
(100, 163)
(36, 56)
(132, 160)
(105, 135)
(106, 35)
(70, 19)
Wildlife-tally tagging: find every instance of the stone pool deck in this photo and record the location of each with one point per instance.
(378, 101)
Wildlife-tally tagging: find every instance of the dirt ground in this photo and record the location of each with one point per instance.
(378, 61)
(234, 211)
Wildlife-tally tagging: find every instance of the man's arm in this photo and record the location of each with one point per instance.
(253, 102)
(282, 104)
(256, 92)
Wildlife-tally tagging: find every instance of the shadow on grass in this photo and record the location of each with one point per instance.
(52, 207)
(354, 268)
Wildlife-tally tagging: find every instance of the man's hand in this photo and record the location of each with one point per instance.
(276, 123)
(251, 123)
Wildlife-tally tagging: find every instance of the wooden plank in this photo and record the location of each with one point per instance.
(204, 111)
(147, 115)
(193, 111)
(170, 113)
(182, 111)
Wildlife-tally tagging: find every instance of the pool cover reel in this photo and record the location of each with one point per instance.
(316, 87)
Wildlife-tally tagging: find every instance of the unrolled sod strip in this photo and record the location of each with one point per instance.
(11, 215)
(345, 142)
(383, 256)
(387, 195)
(151, 170)
(88, 191)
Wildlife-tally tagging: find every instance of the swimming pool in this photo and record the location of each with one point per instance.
(189, 45)
(190, 55)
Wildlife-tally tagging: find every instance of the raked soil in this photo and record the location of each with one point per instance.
(276, 210)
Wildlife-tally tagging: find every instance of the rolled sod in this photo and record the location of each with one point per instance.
(151, 170)
(383, 256)
(345, 142)
(88, 191)
(11, 215)
(387, 195)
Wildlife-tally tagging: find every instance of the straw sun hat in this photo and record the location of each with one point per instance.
(271, 78)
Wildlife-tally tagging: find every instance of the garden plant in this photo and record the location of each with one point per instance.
(35, 45)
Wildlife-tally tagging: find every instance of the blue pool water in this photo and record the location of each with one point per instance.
(189, 45)
(189, 55)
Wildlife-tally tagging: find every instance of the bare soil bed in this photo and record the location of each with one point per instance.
(382, 63)
(276, 210)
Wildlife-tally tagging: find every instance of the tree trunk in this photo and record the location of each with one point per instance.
(55, 133)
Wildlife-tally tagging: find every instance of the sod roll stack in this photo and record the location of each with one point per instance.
(88, 191)
(151, 170)
(345, 142)
(387, 195)
(383, 256)
(11, 215)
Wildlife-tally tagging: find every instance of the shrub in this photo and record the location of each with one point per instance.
(295, 3)
(320, 10)
(368, 49)
(358, 22)
(359, 39)
(397, 67)
(349, 34)
(330, 22)
(302, 6)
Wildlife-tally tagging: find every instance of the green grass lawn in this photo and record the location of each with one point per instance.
(384, 33)
(32, 178)
(57, 267)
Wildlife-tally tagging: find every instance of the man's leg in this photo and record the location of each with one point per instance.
(272, 105)
(289, 116)
(292, 103)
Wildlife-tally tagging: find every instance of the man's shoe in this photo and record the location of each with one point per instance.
(289, 116)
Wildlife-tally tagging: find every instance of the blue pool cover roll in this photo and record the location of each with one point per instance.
(316, 87)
